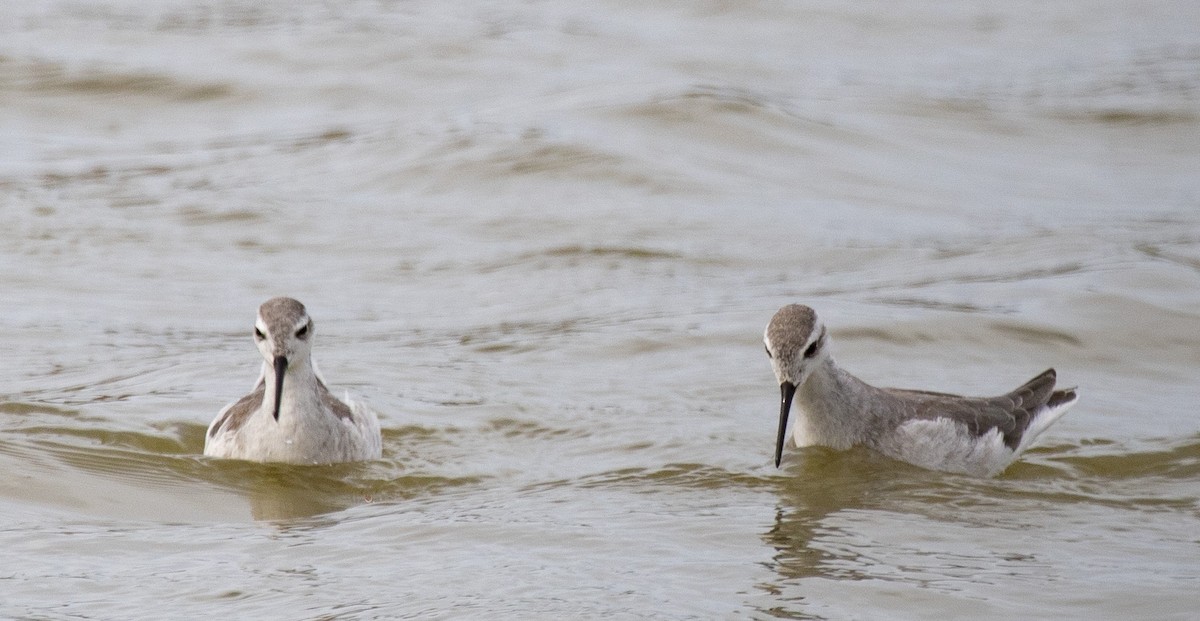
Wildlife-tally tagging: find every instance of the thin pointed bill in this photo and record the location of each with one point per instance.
(280, 368)
(786, 391)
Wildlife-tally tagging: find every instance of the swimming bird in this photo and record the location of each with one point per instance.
(972, 435)
(291, 417)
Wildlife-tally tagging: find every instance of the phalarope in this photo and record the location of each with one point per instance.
(291, 416)
(971, 435)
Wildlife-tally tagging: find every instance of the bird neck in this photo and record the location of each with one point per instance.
(836, 406)
(301, 386)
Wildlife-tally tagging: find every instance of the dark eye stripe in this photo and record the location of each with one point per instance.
(768, 351)
(258, 334)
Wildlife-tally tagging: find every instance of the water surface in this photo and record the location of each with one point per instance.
(542, 241)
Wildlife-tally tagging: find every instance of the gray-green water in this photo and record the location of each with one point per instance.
(542, 240)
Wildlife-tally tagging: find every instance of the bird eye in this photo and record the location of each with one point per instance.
(258, 334)
(302, 332)
(812, 349)
(768, 351)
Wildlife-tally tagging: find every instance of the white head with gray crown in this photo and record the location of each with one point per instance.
(796, 342)
(283, 332)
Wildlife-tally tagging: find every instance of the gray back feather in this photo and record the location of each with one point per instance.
(1010, 413)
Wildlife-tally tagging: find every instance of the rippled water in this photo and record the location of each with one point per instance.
(542, 240)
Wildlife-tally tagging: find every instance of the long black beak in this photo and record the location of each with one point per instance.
(786, 391)
(280, 369)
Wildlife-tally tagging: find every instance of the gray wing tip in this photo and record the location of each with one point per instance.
(1061, 395)
(1046, 378)
(1059, 398)
(1062, 398)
